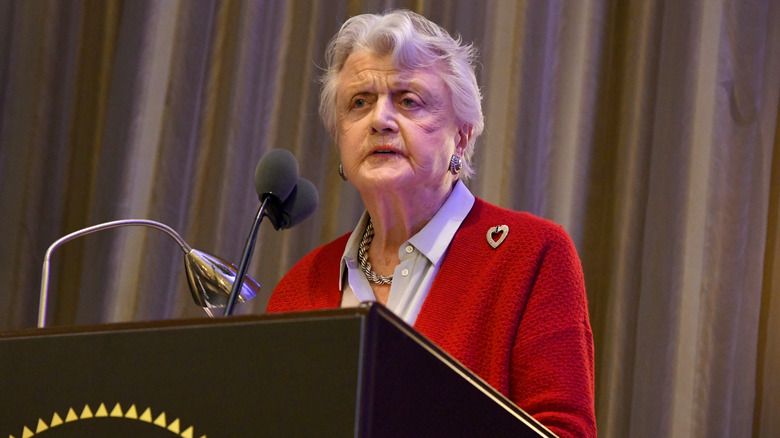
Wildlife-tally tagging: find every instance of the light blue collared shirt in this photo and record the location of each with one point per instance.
(421, 257)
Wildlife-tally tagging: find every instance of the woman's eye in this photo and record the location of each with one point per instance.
(408, 102)
(359, 103)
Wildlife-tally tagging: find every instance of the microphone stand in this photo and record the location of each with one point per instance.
(249, 248)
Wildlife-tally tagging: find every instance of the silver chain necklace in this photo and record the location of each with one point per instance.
(365, 265)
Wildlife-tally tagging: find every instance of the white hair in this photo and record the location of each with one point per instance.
(412, 41)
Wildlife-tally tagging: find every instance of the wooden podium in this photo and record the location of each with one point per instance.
(339, 373)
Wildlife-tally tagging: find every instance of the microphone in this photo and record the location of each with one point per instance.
(276, 175)
(297, 207)
(286, 201)
(300, 204)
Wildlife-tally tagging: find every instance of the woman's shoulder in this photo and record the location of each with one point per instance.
(326, 253)
(484, 214)
(305, 287)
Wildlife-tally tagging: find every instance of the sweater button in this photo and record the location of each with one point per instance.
(405, 272)
(409, 249)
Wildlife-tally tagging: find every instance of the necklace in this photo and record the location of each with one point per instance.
(365, 265)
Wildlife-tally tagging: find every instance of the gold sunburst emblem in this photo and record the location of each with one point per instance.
(174, 427)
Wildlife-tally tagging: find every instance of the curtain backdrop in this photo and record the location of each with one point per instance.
(648, 129)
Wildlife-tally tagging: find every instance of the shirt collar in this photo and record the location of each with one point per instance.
(434, 238)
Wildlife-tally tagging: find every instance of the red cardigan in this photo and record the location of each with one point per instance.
(516, 315)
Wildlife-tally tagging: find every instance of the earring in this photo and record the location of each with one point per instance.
(455, 164)
(341, 172)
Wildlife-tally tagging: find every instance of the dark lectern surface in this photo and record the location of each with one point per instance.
(338, 373)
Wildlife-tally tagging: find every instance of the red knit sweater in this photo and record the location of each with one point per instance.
(516, 315)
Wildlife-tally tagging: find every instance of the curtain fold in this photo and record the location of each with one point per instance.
(648, 130)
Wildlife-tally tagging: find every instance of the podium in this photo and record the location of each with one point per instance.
(356, 372)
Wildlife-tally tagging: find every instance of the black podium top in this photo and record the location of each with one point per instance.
(358, 372)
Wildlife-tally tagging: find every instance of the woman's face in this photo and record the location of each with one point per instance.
(396, 128)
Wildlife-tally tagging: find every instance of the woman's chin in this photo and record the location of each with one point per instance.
(385, 178)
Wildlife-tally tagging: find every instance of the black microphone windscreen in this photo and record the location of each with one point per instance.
(300, 204)
(276, 174)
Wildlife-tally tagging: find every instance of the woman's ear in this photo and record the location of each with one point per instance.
(464, 135)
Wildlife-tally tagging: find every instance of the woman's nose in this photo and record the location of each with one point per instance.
(384, 117)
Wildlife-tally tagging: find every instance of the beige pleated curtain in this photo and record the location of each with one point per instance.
(648, 129)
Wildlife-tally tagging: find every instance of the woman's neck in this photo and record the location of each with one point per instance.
(397, 217)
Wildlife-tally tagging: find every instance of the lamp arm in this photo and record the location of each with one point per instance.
(89, 230)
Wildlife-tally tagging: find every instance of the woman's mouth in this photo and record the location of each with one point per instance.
(385, 150)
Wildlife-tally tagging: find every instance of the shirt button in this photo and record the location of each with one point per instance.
(405, 272)
(409, 249)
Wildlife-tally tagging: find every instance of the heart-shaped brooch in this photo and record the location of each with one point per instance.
(501, 230)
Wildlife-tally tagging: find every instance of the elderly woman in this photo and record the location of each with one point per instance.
(501, 291)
